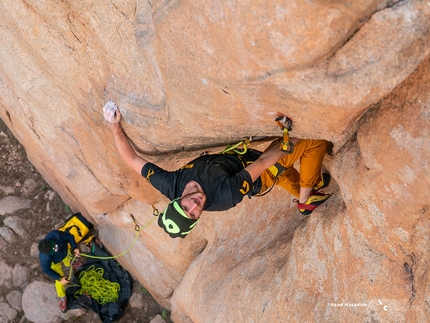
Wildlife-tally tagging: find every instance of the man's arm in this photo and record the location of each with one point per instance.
(269, 158)
(73, 245)
(69, 238)
(45, 263)
(122, 143)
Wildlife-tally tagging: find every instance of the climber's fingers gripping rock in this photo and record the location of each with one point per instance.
(111, 113)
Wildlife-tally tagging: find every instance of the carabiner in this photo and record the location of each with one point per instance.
(136, 226)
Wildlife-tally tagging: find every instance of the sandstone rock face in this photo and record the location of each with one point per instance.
(192, 76)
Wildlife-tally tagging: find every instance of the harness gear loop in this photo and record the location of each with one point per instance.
(286, 145)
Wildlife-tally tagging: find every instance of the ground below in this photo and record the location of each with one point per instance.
(47, 211)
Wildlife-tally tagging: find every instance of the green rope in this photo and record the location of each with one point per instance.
(100, 289)
(137, 228)
(91, 280)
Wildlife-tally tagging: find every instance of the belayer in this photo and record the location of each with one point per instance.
(54, 250)
(217, 182)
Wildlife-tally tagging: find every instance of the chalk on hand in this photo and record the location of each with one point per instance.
(109, 110)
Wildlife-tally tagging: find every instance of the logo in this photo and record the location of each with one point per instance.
(187, 166)
(245, 188)
(149, 174)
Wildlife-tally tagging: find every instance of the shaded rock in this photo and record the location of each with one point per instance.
(17, 224)
(6, 274)
(40, 303)
(7, 189)
(3, 244)
(136, 300)
(29, 186)
(14, 299)
(7, 234)
(157, 319)
(7, 313)
(49, 195)
(19, 275)
(34, 251)
(10, 204)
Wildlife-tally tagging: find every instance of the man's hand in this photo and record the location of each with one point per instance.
(77, 252)
(64, 281)
(269, 158)
(111, 113)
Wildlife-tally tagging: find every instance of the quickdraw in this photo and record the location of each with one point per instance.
(286, 145)
(137, 228)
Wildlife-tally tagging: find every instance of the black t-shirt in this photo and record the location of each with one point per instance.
(222, 178)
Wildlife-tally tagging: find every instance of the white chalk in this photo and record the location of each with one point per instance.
(109, 111)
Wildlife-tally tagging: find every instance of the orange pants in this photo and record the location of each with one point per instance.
(311, 154)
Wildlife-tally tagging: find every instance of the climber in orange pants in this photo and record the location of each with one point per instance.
(217, 182)
(310, 179)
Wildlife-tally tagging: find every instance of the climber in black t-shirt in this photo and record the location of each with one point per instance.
(218, 182)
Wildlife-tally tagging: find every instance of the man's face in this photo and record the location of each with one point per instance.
(193, 200)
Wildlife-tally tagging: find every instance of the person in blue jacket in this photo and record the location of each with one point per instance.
(54, 250)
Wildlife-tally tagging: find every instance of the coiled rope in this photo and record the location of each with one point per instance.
(89, 279)
(92, 283)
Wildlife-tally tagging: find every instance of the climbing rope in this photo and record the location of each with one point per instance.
(137, 228)
(93, 283)
(91, 280)
(286, 145)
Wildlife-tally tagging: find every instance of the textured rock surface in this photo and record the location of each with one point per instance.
(195, 76)
(37, 303)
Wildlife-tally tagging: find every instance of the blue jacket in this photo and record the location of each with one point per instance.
(62, 239)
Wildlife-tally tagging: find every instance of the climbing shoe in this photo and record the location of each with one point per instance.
(63, 304)
(314, 200)
(325, 180)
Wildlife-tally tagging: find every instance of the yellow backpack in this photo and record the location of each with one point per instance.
(77, 226)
